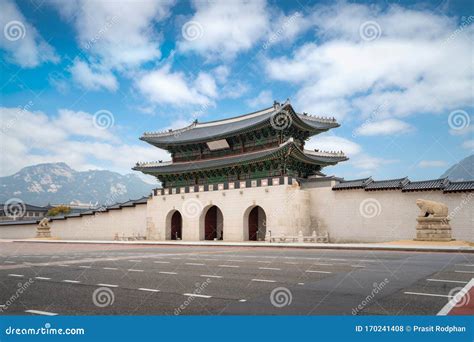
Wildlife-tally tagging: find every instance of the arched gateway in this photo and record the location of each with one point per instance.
(174, 226)
(255, 224)
(213, 223)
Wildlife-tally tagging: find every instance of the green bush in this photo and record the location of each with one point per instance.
(60, 209)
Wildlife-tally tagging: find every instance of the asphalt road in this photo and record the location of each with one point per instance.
(74, 279)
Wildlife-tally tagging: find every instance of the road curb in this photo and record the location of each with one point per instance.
(374, 247)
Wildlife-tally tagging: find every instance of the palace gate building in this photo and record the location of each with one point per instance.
(237, 179)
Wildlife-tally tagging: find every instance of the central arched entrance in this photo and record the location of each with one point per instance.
(255, 222)
(176, 226)
(213, 224)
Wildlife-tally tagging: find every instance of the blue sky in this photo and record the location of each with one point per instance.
(82, 80)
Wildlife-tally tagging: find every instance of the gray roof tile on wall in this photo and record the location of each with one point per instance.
(460, 186)
(388, 184)
(432, 184)
(353, 184)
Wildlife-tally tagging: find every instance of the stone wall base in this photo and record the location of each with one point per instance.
(433, 229)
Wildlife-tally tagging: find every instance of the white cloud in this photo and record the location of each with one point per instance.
(464, 131)
(119, 34)
(432, 163)
(346, 74)
(468, 144)
(221, 73)
(264, 99)
(162, 86)
(383, 127)
(333, 143)
(92, 79)
(370, 163)
(68, 137)
(228, 27)
(21, 41)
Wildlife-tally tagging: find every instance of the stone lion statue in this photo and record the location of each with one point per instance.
(44, 223)
(431, 208)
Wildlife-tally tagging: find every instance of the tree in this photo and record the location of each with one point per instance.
(60, 209)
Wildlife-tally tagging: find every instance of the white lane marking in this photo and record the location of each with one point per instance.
(242, 300)
(210, 276)
(107, 285)
(83, 266)
(311, 271)
(161, 262)
(9, 262)
(63, 265)
(467, 265)
(110, 268)
(322, 264)
(338, 259)
(42, 278)
(196, 295)
(448, 281)
(193, 264)
(300, 283)
(71, 281)
(264, 262)
(457, 271)
(264, 280)
(135, 260)
(16, 275)
(235, 260)
(360, 266)
(163, 272)
(457, 299)
(291, 263)
(149, 290)
(427, 294)
(270, 268)
(176, 258)
(230, 266)
(134, 270)
(44, 313)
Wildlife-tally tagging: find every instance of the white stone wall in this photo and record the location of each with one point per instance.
(375, 216)
(286, 208)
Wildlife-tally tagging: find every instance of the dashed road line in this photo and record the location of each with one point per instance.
(71, 281)
(63, 265)
(300, 283)
(163, 272)
(134, 260)
(110, 268)
(264, 280)
(134, 270)
(42, 278)
(229, 266)
(458, 271)
(360, 266)
(149, 290)
(427, 294)
(9, 262)
(242, 300)
(270, 268)
(322, 264)
(193, 264)
(44, 313)
(448, 281)
(311, 271)
(291, 263)
(161, 262)
(16, 275)
(107, 285)
(196, 295)
(84, 266)
(210, 276)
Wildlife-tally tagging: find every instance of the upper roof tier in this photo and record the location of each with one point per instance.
(273, 116)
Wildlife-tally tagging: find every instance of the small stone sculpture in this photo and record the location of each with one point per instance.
(433, 221)
(43, 230)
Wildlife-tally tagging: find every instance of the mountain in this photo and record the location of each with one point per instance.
(57, 183)
(464, 170)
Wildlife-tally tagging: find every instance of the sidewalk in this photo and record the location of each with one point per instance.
(404, 245)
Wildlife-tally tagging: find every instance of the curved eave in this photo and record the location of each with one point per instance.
(288, 149)
(200, 133)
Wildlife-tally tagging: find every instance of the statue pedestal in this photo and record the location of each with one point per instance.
(43, 232)
(433, 228)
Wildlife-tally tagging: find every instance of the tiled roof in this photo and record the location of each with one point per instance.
(219, 129)
(387, 184)
(353, 184)
(460, 186)
(433, 184)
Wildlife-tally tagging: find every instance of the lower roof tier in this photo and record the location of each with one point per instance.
(282, 153)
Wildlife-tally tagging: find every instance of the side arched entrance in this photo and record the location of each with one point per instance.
(213, 224)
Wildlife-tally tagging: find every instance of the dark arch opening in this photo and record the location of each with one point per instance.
(213, 224)
(257, 224)
(176, 226)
